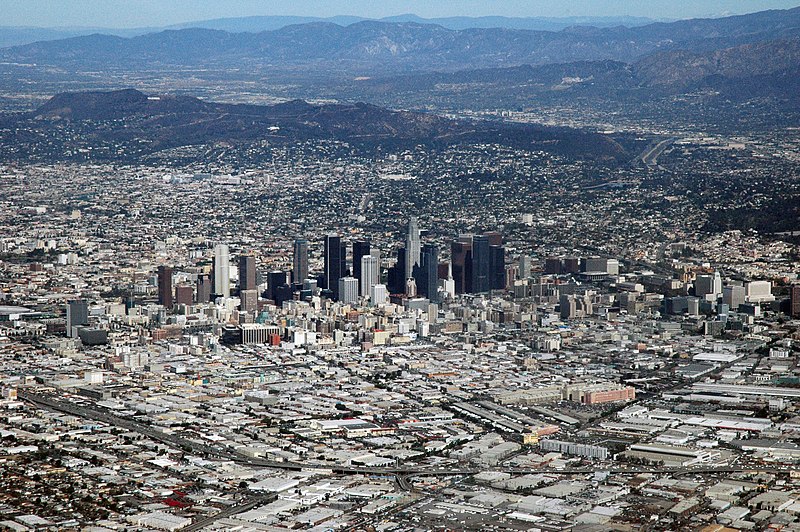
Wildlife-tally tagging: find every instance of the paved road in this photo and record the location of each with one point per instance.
(401, 472)
(650, 156)
(244, 506)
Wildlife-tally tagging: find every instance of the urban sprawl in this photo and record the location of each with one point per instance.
(190, 350)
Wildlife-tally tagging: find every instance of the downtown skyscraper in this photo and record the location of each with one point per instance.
(413, 247)
(361, 248)
(165, 286)
(428, 273)
(335, 263)
(247, 272)
(222, 271)
(369, 273)
(481, 264)
(300, 261)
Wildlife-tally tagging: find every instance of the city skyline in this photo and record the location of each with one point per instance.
(483, 274)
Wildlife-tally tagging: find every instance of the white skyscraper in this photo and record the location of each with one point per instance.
(378, 294)
(348, 290)
(413, 247)
(222, 270)
(449, 287)
(370, 273)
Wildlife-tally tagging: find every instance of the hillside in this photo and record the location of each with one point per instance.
(124, 124)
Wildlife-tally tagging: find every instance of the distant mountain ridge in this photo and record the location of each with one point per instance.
(369, 47)
(20, 35)
(664, 72)
(266, 23)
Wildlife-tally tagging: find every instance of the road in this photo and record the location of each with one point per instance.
(650, 156)
(402, 473)
(244, 506)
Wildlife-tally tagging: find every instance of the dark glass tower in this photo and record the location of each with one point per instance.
(275, 280)
(459, 251)
(794, 301)
(165, 286)
(300, 264)
(335, 263)
(497, 270)
(481, 264)
(428, 281)
(247, 272)
(396, 278)
(203, 292)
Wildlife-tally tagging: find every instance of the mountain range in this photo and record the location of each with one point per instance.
(264, 23)
(373, 47)
(19, 35)
(735, 72)
(769, 68)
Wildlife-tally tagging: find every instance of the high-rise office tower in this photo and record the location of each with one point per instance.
(708, 287)
(369, 267)
(481, 264)
(459, 251)
(77, 315)
(512, 275)
(497, 267)
(396, 278)
(222, 271)
(428, 282)
(568, 306)
(495, 238)
(343, 261)
(733, 296)
(184, 294)
(449, 284)
(335, 263)
(283, 293)
(376, 253)
(249, 300)
(444, 271)
(360, 249)
(525, 266)
(165, 286)
(378, 295)
(300, 261)
(570, 265)
(413, 247)
(247, 273)
(204, 288)
(275, 280)
(348, 290)
(552, 265)
(794, 301)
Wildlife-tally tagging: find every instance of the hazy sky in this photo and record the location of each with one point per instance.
(139, 13)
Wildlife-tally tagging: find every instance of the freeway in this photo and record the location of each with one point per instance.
(244, 506)
(650, 156)
(402, 473)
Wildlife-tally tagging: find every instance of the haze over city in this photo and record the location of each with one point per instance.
(154, 13)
